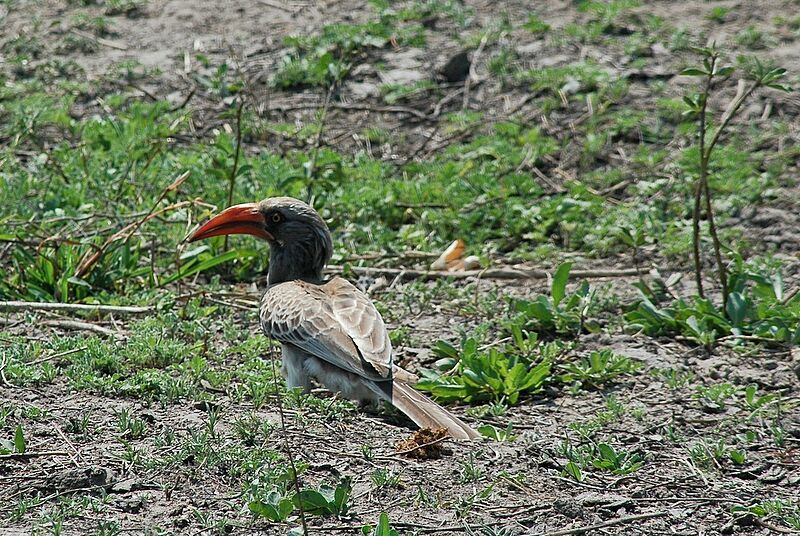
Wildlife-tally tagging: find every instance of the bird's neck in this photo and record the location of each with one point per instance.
(296, 261)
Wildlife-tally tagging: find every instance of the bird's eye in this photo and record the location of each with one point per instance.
(276, 217)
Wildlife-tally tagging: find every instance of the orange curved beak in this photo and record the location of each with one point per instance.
(238, 219)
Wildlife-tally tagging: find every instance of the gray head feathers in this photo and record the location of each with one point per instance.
(302, 245)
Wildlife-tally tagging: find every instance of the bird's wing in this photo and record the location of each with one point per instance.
(335, 322)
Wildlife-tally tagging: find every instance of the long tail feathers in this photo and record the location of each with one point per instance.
(426, 413)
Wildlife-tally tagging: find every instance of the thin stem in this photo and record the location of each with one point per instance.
(323, 114)
(730, 113)
(288, 447)
(721, 269)
(698, 191)
(733, 108)
(237, 152)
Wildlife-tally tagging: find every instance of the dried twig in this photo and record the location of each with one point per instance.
(99, 40)
(473, 75)
(597, 526)
(498, 273)
(55, 356)
(237, 153)
(90, 260)
(289, 453)
(311, 169)
(25, 455)
(77, 325)
(352, 106)
(72, 307)
(185, 101)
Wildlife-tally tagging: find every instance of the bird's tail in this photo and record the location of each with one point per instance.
(426, 413)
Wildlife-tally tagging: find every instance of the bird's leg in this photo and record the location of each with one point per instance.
(294, 371)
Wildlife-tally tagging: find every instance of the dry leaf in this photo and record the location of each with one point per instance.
(451, 258)
(424, 444)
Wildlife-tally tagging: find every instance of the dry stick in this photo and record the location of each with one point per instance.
(741, 96)
(99, 40)
(185, 100)
(473, 75)
(89, 261)
(79, 326)
(353, 106)
(64, 324)
(698, 192)
(17, 455)
(232, 177)
(288, 447)
(54, 356)
(596, 526)
(70, 445)
(313, 162)
(505, 273)
(72, 307)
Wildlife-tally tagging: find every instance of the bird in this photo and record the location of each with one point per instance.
(329, 331)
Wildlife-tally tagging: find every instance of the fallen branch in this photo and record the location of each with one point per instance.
(99, 40)
(24, 455)
(350, 106)
(596, 526)
(54, 356)
(74, 325)
(496, 273)
(72, 307)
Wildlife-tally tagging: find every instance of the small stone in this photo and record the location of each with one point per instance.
(530, 49)
(82, 478)
(402, 76)
(658, 49)
(363, 90)
(472, 262)
(206, 405)
(124, 486)
(568, 507)
(457, 67)
(571, 87)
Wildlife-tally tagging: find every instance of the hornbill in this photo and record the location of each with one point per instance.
(328, 330)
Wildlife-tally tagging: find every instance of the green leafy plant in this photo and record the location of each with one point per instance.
(715, 396)
(324, 501)
(756, 308)
(383, 528)
(473, 375)
(324, 59)
(536, 25)
(619, 462)
(559, 313)
(17, 446)
(596, 369)
(501, 435)
(274, 507)
(784, 511)
(759, 76)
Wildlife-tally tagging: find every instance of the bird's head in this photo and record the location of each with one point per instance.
(299, 239)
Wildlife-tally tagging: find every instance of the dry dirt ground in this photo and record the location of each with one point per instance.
(481, 488)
